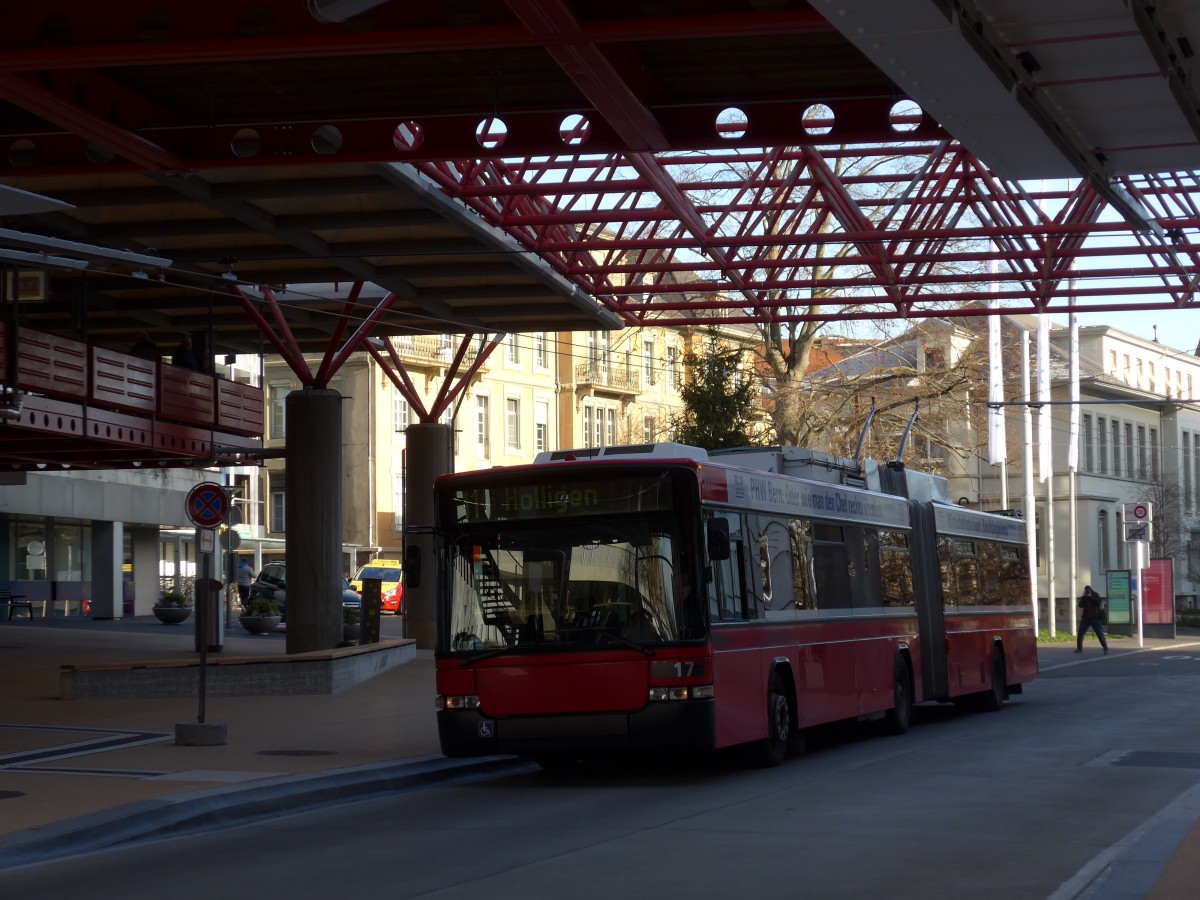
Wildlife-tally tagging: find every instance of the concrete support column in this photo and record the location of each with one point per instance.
(430, 453)
(145, 569)
(314, 520)
(108, 540)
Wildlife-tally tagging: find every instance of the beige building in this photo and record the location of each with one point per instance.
(534, 392)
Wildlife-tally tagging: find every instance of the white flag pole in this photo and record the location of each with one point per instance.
(1027, 477)
(1073, 468)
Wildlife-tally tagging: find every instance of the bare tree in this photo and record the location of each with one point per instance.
(808, 194)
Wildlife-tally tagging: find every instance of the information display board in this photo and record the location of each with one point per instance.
(1118, 597)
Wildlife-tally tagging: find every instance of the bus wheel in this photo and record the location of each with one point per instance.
(993, 700)
(899, 717)
(772, 750)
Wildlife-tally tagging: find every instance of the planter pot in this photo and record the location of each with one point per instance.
(350, 632)
(172, 615)
(260, 624)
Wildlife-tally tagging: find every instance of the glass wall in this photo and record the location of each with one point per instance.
(49, 561)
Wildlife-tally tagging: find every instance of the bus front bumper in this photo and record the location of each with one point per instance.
(668, 725)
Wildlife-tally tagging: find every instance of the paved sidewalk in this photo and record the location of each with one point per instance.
(78, 775)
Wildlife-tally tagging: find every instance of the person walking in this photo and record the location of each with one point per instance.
(245, 578)
(1090, 616)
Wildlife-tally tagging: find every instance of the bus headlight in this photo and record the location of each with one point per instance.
(466, 701)
(692, 692)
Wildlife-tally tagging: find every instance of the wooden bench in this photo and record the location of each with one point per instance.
(15, 601)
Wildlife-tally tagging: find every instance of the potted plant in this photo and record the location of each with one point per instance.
(172, 608)
(351, 619)
(260, 616)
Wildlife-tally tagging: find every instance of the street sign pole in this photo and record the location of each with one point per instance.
(1139, 531)
(1141, 564)
(207, 505)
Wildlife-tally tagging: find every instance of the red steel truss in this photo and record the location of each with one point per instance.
(830, 233)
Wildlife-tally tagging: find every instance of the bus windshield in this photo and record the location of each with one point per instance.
(576, 583)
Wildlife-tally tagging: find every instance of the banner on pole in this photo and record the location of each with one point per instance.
(1073, 446)
(1045, 462)
(997, 440)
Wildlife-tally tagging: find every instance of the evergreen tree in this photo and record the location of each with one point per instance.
(718, 395)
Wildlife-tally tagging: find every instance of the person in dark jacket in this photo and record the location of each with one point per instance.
(144, 348)
(183, 356)
(1091, 615)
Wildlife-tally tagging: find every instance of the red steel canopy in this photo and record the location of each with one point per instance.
(520, 165)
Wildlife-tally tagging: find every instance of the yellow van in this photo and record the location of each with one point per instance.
(387, 571)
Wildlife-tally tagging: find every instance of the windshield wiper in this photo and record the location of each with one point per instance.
(515, 648)
(484, 654)
(621, 639)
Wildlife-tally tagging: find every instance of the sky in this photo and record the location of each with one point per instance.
(1179, 329)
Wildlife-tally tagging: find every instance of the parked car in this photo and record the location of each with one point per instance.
(391, 590)
(271, 583)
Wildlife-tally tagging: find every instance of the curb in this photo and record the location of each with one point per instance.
(229, 806)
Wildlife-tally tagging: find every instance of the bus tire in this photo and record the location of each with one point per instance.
(993, 700)
(899, 717)
(773, 749)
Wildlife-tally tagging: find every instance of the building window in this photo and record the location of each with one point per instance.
(397, 501)
(1187, 472)
(1112, 361)
(278, 487)
(1194, 463)
(512, 423)
(648, 429)
(541, 424)
(610, 431)
(512, 350)
(445, 348)
(1102, 434)
(648, 373)
(673, 368)
(399, 411)
(1116, 447)
(587, 425)
(278, 395)
(1154, 454)
(1143, 469)
(1088, 454)
(539, 349)
(1102, 538)
(483, 426)
(1130, 471)
(1122, 547)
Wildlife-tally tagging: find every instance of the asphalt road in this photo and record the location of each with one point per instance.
(1021, 803)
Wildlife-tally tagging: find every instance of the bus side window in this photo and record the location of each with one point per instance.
(773, 543)
(726, 590)
(804, 586)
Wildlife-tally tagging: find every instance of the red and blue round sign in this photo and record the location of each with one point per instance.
(207, 505)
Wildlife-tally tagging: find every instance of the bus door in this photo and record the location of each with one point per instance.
(927, 587)
(736, 672)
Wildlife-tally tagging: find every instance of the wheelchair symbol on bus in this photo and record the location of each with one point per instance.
(487, 729)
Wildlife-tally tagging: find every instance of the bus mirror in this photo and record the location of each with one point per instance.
(718, 538)
(412, 567)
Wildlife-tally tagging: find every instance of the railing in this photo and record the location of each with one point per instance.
(47, 365)
(597, 373)
(431, 350)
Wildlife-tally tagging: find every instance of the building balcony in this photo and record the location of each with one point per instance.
(66, 402)
(432, 351)
(599, 377)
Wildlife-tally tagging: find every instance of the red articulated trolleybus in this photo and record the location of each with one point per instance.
(661, 596)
